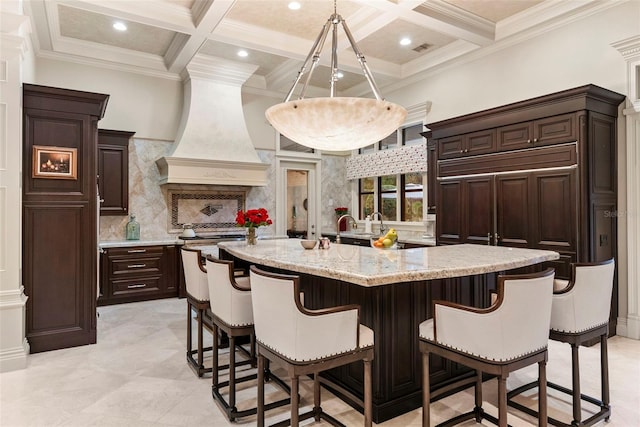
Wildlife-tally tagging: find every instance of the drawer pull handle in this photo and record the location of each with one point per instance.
(136, 265)
(137, 251)
(141, 285)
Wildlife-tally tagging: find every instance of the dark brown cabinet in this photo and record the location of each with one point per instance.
(59, 215)
(469, 144)
(548, 184)
(536, 133)
(113, 171)
(138, 273)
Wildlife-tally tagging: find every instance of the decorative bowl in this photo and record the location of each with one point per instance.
(377, 242)
(308, 244)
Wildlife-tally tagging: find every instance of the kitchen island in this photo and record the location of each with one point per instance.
(395, 290)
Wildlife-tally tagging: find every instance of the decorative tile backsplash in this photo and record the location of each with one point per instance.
(205, 210)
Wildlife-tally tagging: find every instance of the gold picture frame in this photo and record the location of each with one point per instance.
(51, 162)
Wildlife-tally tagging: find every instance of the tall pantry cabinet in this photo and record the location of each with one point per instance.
(540, 174)
(60, 215)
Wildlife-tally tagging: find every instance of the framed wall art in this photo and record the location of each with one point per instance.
(55, 162)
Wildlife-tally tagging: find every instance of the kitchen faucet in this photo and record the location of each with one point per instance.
(353, 225)
(382, 227)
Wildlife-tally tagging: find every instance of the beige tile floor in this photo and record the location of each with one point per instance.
(136, 375)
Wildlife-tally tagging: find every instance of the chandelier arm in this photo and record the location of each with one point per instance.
(316, 58)
(314, 54)
(363, 62)
(334, 54)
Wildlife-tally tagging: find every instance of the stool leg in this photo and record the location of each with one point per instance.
(542, 393)
(294, 401)
(426, 392)
(252, 344)
(232, 372)
(368, 401)
(478, 390)
(575, 376)
(604, 370)
(502, 400)
(260, 414)
(188, 329)
(214, 368)
(316, 397)
(200, 342)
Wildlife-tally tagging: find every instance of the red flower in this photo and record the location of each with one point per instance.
(253, 218)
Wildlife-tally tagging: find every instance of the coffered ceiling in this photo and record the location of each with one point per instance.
(162, 36)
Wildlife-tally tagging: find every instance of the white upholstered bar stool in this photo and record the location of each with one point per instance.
(510, 334)
(580, 314)
(232, 313)
(195, 277)
(306, 342)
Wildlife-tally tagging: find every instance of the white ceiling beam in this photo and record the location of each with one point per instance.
(162, 14)
(208, 16)
(444, 18)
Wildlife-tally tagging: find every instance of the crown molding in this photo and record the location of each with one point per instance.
(98, 63)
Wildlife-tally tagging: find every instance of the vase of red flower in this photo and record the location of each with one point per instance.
(252, 219)
(339, 212)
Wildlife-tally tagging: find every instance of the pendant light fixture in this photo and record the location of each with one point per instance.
(335, 123)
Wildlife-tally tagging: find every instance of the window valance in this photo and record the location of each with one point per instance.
(411, 158)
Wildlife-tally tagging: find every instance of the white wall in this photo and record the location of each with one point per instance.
(573, 55)
(149, 106)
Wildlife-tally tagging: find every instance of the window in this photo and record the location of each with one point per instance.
(285, 144)
(399, 197)
(367, 195)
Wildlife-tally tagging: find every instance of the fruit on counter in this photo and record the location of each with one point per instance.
(391, 235)
(387, 240)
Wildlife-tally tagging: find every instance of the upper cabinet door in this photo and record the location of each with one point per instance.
(113, 171)
(555, 130)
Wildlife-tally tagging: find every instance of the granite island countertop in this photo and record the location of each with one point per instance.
(367, 266)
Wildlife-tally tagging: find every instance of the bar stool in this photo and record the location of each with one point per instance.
(195, 277)
(232, 313)
(306, 342)
(509, 335)
(580, 314)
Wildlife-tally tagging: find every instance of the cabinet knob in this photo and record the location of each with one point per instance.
(461, 151)
(535, 139)
(528, 141)
(101, 200)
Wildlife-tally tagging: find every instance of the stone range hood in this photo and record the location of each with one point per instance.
(213, 146)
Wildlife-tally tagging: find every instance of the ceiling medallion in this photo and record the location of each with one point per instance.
(335, 123)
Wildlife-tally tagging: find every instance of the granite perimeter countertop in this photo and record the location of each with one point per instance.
(129, 243)
(426, 241)
(367, 266)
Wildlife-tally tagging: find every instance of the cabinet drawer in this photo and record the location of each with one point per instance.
(134, 251)
(135, 286)
(136, 266)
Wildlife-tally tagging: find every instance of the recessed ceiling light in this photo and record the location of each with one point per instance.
(243, 53)
(405, 41)
(120, 26)
(339, 74)
(294, 5)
